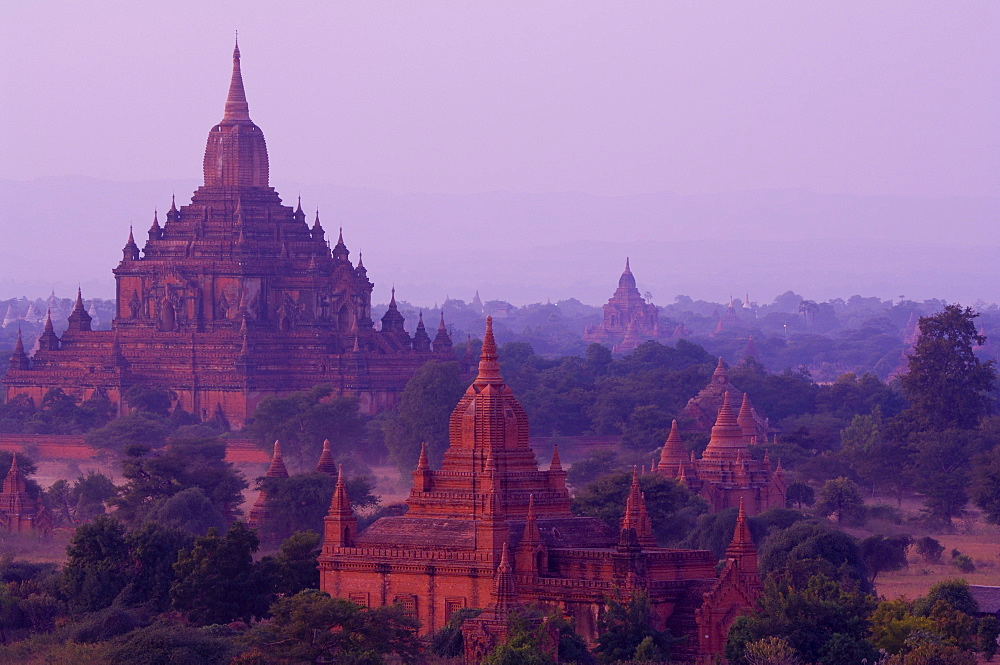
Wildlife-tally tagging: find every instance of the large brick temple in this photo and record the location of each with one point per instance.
(489, 529)
(628, 319)
(233, 298)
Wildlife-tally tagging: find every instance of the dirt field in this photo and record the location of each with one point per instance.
(972, 536)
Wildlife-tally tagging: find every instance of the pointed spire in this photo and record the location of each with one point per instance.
(489, 361)
(236, 102)
(628, 268)
(79, 319)
(173, 204)
(421, 340)
(532, 536)
(19, 359)
(130, 252)
(317, 230)
(422, 464)
(742, 542)
(340, 503)
(326, 464)
(504, 590)
(442, 341)
(720, 375)
(673, 455)
(726, 412)
(277, 468)
(48, 322)
(555, 464)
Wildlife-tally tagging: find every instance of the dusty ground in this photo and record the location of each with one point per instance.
(971, 536)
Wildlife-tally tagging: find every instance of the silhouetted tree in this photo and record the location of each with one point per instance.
(946, 384)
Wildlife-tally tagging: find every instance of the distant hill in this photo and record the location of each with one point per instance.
(522, 248)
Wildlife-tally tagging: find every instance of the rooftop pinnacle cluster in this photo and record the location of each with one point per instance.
(233, 297)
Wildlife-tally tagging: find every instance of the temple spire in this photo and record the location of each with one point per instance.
(237, 108)
(341, 502)
(326, 464)
(422, 463)
(555, 464)
(277, 467)
(489, 361)
(504, 590)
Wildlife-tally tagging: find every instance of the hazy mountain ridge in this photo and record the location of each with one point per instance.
(523, 247)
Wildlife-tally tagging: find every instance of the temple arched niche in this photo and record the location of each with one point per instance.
(168, 317)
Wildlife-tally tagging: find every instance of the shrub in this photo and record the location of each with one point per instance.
(930, 549)
(964, 563)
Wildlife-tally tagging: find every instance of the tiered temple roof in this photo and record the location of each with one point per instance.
(628, 318)
(234, 297)
(489, 529)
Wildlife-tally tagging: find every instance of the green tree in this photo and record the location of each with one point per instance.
(823, 621)
(882, 554)
(153, 478)
(153, 551)
(152, 399)
(770, 651)
(947, 385)
(874, 455)
(808, 548)
(97, 569)
(985, 486)
(672, 508)
(313, 627)
(527, 644)
(422, 416)
(216, 581)
(168, 641)
(301, 501)
(136, 428)
(799, 495)
(295, 566)
(841, 497)
(624, 625)
(302, 420)
(90, 494)
(646, 428)
(940, 470)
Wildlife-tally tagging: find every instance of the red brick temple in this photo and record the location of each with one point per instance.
(702, 410)
(19, 513)
(488, 499)
(726, 475)
(233, 298)
(628, 319)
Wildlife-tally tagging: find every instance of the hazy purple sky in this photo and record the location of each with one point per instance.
(850, 128)
(600, 97)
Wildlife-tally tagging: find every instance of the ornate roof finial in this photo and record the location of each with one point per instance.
(173, 203)
(628, 268)
(236, 102)
(277, 468)
(326, 464)
(504, 591)
(489, 361)
(340, 503)
(422, 463)
(555, 464)
(742, 543)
